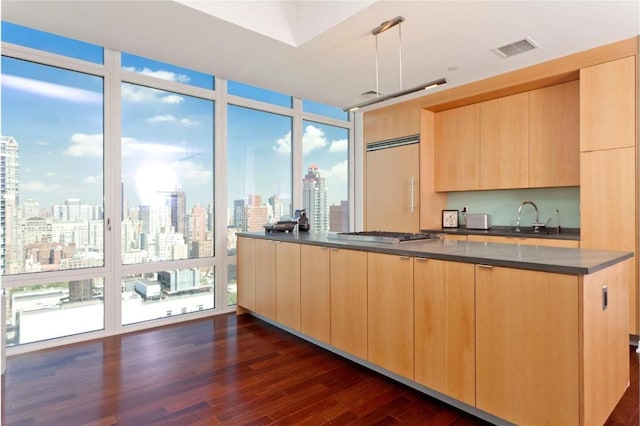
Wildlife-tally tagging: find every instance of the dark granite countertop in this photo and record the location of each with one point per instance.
(538, 258)
(572, 234)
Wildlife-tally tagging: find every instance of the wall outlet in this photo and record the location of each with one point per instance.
(465, 209)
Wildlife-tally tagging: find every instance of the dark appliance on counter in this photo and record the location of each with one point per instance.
(382, 236)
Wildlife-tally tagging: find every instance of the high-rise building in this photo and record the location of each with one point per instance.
(31, 209)
(339, 217)
(11, 238)
(314, 199)
(276, 207)
(238, 214)
(178, 201)
(197, 223)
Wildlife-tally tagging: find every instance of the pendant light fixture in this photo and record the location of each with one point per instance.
(397, 21)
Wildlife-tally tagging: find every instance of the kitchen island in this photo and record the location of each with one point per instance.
(521, 334)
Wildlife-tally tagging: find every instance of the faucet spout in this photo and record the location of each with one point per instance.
(520, 211)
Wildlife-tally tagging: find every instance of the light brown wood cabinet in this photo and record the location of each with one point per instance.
(542, 345)
(528, 140)
(547, 242)
(315, 292)
(608, 165)
(504, 142)
(246, 273)
(265, 284)
(391, 122)
(608, 105)
(444, 310)
(288, 284)
(390, 312)
(526, 348)
(554, 136)
(608, 209)
(457, 149)
(393, 189)
(349, 301)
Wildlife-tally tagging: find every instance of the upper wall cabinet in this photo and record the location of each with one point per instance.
(457, 133)
(554, 136)
(504, 142)
(528, 140)
(391, 122)
(607, 100)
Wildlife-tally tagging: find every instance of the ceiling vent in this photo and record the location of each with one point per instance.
(370, 94)
(516, 48)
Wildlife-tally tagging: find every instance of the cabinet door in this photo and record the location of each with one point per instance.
(315, 292)
(457, 149)
(246, 270)
(445, 327)
(554, 142)
(391, 122)
(527, 350)
(608, 105)
(504, 142)
(390, 312)
(266, 278)
(608, 209)
(349, 301)
(392, 189)
(288, 284)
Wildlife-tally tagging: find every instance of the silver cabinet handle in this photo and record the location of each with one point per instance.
(421, 259)
(413, 184)
(484, 266)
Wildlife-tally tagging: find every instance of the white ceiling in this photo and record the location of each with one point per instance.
(324, 50)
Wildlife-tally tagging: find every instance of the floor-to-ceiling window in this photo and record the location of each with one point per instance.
(52, 190)
(122, 194)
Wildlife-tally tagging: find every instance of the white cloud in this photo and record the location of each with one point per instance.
(38, 186)
(93, 179)
(161, 118)
(51, 174)
(140, 94)
(134, 147)
(172, 99)
(43, 143)
(313, 138)
(83, 145)
(190, 172)
(339, 171)
(283, 145)
(161, 74)
(50, 90)
(168, 118)
(340, 145)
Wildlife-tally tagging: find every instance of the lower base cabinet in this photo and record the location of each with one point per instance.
(288, 284)
(349, 301)
(529, 347)
(315, 292)
(445, 327)
(265, 278)
(551, 348)
(390, 312)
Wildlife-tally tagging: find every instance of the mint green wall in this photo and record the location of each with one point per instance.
(503, 205)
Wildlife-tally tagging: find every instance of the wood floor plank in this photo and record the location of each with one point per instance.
(225, 370)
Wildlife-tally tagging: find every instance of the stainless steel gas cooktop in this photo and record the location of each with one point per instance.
(382, 236)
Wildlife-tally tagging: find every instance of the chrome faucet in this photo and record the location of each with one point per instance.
(535, 224)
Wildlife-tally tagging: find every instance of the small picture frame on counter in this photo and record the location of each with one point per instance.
(449, 219)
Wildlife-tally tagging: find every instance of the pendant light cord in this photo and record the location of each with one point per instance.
(377, 86)
(400, 51)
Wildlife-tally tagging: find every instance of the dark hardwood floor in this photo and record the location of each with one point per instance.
(223, 370)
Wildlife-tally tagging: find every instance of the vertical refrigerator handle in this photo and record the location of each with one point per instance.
(413, 185)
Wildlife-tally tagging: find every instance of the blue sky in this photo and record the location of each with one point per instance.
(167, 138)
